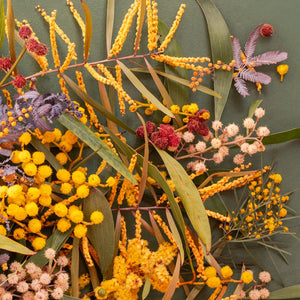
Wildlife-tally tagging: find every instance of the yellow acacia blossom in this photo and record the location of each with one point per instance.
(77, 17)
(53, 39)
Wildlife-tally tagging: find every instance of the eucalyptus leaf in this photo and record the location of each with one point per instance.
(2, 23)
(85, 97)
(146, 288)
(144, 91)
(101, 236)
(13, 246)
(55, 241)
(221, 49)
(291, 292)
(179, 94)
(282, 137)
(95, 143)
(189, 196)
(88, 29)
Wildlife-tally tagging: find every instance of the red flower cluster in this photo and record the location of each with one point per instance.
(25, 32)
(5, 63)
(19, 81)
(164, 138)
(266, 30)
(197, 123)
(34, 46)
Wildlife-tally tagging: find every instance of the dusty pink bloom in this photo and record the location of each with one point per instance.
(63, 277)
(249, 123)
(191, 149)
(216, 143)
(254, 294)
(200, 146)
(28, 296)
(259, 112)
(264, 276)
(62, 261)
(239, 140)
(7, 296)
(199, 167)
(242, 294)
(35, 285)
(260, 146)
(30, 267)
(22, 287)
(12, 278)
(262, 131)
(224, 150)
(57, 293)
(45, 278)
(50, 253)
(216, 125)
(238, 159)
(252, 149)
(15, 266)
(41, 296)
(264, 293)
(245, 147)
(231, 130)
(218, 158)
(188, 137)
(2, 290)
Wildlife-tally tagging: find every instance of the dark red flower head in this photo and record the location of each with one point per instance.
(5, 63)
(266, 30)
(25, 32)
(19, 81)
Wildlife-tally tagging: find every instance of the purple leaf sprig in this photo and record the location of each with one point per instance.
(245, 62)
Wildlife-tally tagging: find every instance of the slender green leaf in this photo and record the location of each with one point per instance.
(164, 93)
(221, 49)
(2, 23)
(146, 288)
(175, 234)
(88, 29)
(291, 292)
(101, 236)
(179, 94)
(190, 197)
(75, 267)
(173, 283)
(254, 105)
(110, 16)
(85, 97)
(55, 241)
(138, 84)
(182, 81)
(13, 246)
(142, 11)
(95, 143)
(282, 137)
(10, 23)
(214, 204)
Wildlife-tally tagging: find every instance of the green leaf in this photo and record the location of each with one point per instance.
(214, 204)
(291, 292)
(95, 143)
(101, 236)
(146, 288)
(88, 30)
(221, 49)
(137, 83)
(189, 196)
(254, 105)
(85, 97)
(110, 16)
(11, 245)
(55, 241)
(282, 137)
(2, 23)
(179, 94)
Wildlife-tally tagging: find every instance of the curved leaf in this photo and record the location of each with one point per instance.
(282, 137)
(221, 49)
(13, 246)
(85, 97)
(146, 288)
(189, 196)
(96, 144)
(254, 105)
(291, 292)
(138, 84)
(110, 15)
(88, 29)
(2, 23)
(179, 94)
(102, 235)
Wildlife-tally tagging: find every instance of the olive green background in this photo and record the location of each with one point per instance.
(280, 100)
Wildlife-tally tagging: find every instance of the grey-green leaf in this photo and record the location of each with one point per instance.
(96, 144)
(291, 292)
(102, 236)
(254, 105)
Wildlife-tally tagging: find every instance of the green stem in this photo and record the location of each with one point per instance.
(14, 65)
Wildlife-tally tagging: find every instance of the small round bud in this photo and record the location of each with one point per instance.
(267, 30)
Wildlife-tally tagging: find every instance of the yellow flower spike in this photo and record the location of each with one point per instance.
(164, 227)
(282, 70)
(53, 39)
(86, 252)
(77, 17)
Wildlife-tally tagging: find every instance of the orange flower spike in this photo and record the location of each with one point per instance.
(164, 227)
(53, 40)
(86, 252)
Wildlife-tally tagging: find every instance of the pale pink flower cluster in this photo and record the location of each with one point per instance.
(33, 282)
(219, 142)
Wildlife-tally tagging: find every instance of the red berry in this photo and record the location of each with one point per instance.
(19, 81)
(25, 32)
(266, 30)
(140, 132)
(150, 127)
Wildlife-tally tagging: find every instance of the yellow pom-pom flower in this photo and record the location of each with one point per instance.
(20, 214)
(210, 272)
(110, 181)
(19, 234)
(15, 157)
(25, 138)
(33, 193)
(63, 175)
(96, 217)
(45, 201)
(76, 216)
(38, 243)
(282, 70)
(63, 225)
(62, 158)
(35, 225)
(38, 157)
(31, 209)
(80, 231)
(60, 210)
(45, 189)
(247, 277)
(24, 156)
(2, 230)
(30, 169)
(82, 191)
(226, 272)
(14, 191)
(94, 180)
(44, 171)
(213, 282)
(66, 188)
(78, 177)
(3, 191)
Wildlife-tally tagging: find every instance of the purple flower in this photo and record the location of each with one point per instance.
(245, 62)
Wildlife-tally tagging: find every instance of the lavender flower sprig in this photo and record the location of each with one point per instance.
(245, 62)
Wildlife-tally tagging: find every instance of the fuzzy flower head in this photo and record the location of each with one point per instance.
(254, 294)
(50, 253)
(264, 276)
